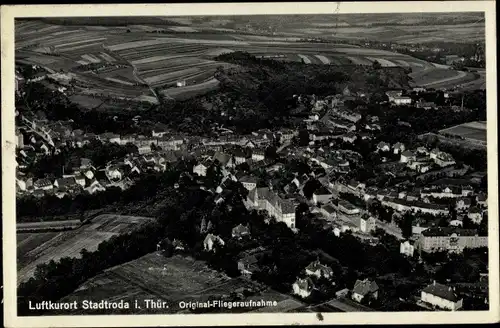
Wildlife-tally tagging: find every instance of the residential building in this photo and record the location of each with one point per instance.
(441, 296)
(258, 155)
(248, 182)
(303, 287)
(364, 289)
(248, 265)
(211, 241)
(43, 184)
(398, 148)
(95, 186)
(450, 239)
(200, 169)
(367, 224)
(319, 270)
(407, 156)
(350, 137)
(265, 199)
(383, 146)
(348, 208)
(329, 211)
(402, 100)
(321, 195)
(240, 231)
(406, 248)
(463, 204)
(475, 214)
(444, 159)
(69, 182)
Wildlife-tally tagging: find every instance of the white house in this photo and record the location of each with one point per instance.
(383, 146)
(258, 155)
(347, 208)
(95, 186)
(401, 100)
(43, 184)
(319, 270)
(210, 241)
(398, 148)
(406, 248)
(441, 296)
(364, 288)
(407, 156)
(367, 224)
(200, 169)
(475, 215)
(303, 287)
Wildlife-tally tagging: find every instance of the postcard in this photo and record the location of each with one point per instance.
(249, 164)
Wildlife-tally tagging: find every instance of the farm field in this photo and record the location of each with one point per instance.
(29, 226)
(38, 248)
(108, 61)
(471, 130)
(173, 279)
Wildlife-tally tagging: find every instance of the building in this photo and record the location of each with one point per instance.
(463, 204)
(440, 296)
(367, 224)
(406, 248)
(321, 195)
(69, 182)
(319, 270)
(407, 156)
(383, 146)
(475, 214)
(258, 155)
(248, 182)
(398, 148)
(402, 101)
(444, 159)
(348, 208)
(329, 211)
(211, 241)
(200, 169)
(303, 287)
(450, 239)
(248, 265)
(240, 231)
(43, 184)
(364, 289)
(265, 199)
(19, 139)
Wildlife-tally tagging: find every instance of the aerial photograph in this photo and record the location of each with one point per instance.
(251, 164)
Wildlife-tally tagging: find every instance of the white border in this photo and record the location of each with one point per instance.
(8, 13)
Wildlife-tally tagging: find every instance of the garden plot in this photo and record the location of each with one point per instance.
(384, 62)
(323, 59)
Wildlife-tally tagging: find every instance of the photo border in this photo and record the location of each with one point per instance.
(9, 13)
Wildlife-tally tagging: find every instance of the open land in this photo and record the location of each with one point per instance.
(41, 247)
(172, 280)
(474, 131)
(130, 62)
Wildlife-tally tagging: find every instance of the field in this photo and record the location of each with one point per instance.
(130, 61)
(475, 131)
(56, 225)
(172, 280)
(37, 248)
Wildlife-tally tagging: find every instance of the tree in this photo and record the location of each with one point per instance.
(376, 65)
(406, 225)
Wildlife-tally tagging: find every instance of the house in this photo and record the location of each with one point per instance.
(444, 159)
(441, 296)
(364, 289)
(211, 241)
(248, 182)
(367, 224)
(383, 146)
(462, 204)
(239, 156)
(398, 148)
(456, 223)
(349, 137)
(43, 184)
(348, 208)
(393, 93)
(482, 200)
(319, 270)
(95, 186)
(303, 287)
(65, 183)
(422, 151)
(401, 100)
(407, 156)
(426, 104)
(321, 195)
(248, 265)
(329, 211)
(240, 231)
(475, 215)
(258, 155)
(200, 169)
(406, 248)
(85, 164)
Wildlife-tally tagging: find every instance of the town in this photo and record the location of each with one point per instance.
(356, 199)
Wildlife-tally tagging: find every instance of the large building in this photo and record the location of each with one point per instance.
(441, 296)
(265, 199)
(450, 239)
